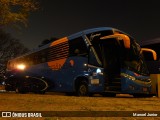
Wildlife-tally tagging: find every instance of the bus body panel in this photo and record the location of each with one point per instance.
(131, 83)
(63, 79)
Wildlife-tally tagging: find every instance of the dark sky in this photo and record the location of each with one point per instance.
(59, 18)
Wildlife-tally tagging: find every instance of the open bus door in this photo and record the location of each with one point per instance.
(111, 47)
(154, 69)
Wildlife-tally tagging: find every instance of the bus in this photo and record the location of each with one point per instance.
(150, 57)
(101, 60)
(154, 46)
(150, 50)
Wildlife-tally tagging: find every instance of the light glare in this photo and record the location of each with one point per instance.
(21, 66)
(98, 70)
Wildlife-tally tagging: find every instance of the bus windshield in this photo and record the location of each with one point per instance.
(133, 59)
(114, 55)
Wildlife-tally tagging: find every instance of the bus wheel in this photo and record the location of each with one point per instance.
(19, 90)
(82, 89)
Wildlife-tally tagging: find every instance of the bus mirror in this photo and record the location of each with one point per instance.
(145, 50)
(123, 37)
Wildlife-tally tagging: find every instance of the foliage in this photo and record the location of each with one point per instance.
(16, 11)
(9, 48)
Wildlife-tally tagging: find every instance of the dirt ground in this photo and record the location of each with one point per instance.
(120, 104)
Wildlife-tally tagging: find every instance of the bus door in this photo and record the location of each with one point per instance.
(109, 51)
(111, 55)
(113, 48)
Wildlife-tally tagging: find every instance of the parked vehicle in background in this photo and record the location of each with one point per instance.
(151, 54)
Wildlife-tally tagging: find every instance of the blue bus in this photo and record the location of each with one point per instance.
(101, 60)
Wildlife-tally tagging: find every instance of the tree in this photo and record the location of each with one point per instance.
(9, 48)
(16, 11)
(13, 12)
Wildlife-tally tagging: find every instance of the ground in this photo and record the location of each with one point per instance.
(11, 101)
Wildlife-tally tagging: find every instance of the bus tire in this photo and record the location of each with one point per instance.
(9, 88)
(82, 89)
(19, 89)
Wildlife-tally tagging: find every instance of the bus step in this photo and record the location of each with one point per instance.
(117, 92)
(115, 83)
(113, 88)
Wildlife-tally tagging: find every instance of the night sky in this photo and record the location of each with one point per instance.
(59, 18)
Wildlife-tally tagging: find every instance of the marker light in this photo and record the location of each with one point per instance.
(21, 66)
(98, 70)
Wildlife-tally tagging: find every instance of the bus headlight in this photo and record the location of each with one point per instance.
(128, 76)
(131, 78)
(21, 66)
(98, 70)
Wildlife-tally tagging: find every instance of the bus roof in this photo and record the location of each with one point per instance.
(87, 31)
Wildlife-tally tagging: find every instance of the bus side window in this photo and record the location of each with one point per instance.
(77, 47)
(42, 56)
(43, 59)
(76, 51)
